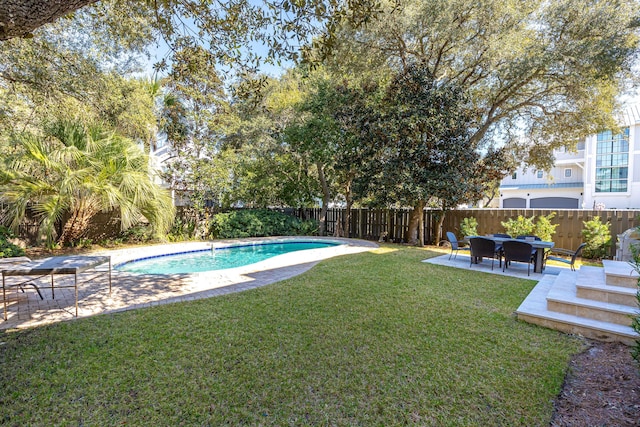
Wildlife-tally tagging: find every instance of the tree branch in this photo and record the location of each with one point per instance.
(18, 18)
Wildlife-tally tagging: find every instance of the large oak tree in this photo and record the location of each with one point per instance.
(233, 31)
(547, 70)
(540, 75)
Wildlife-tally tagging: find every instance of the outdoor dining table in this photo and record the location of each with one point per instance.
(538, 245)
(55, 265)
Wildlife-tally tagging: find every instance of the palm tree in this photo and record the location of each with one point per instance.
(72, 172)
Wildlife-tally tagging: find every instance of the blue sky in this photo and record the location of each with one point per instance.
(162, 49)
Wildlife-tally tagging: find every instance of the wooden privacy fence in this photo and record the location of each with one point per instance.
(370, 224)
(392, 224)
(570, 222)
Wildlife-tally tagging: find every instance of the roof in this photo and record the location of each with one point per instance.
(542, 186)
(631, 115)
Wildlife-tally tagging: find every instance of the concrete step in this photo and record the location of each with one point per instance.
(562, 298)
(534, 310)
(620, 273)
(590, 284)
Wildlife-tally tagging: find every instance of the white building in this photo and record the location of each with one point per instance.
(604, 173)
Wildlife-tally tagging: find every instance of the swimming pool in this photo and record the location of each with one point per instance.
(217, 258)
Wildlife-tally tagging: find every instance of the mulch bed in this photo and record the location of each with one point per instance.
(602, 388)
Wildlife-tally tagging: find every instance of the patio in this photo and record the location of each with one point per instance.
(516, 269)
(133, 291)
(595, 302)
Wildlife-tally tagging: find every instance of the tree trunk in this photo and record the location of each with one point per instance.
(440, 222)
(347, 213)
(76, 226)
(492, 196)
(302, 214)
(415, 231)
(200, 230)
(326, 196)
(18, 18)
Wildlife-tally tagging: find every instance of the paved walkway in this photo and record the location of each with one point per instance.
(516, 269)
(133, 291)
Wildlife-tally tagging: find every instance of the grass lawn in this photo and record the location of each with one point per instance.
(371, 339)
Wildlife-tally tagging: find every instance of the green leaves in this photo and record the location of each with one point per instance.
(76, 171)
(597, 236)
(7, 248)
(530, 226)
(547, 70)
(424, 148)
(258, 223)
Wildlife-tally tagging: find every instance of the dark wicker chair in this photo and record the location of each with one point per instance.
(455, 244)
(519, 251)
(499, 245)
(482, 247)
(534, 251)
(566, 252)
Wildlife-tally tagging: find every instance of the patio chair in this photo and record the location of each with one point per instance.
(12, 262)
(530, 238)
(519, 251)
(455, 244)
(499, 245)
(567, 252)
(483, 247)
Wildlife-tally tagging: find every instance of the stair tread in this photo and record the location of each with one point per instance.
(582, 321)
(619, 269)
(564, 290)
(535, 307)
(591, 276)
(607, 288)
(596, 277)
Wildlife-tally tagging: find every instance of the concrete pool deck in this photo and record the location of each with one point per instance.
(132, 291)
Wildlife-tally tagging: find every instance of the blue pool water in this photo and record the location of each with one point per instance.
(217, 258)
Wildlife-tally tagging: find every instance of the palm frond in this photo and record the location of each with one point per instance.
(83, 169)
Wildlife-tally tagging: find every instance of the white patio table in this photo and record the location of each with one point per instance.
(51, 266)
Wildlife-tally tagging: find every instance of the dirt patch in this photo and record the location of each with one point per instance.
(602, 388)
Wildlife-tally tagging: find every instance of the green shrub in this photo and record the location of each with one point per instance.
(544, 229)
(469, 227)
(258, 223)
(83, 243)
(137, 234)
(597, 236)
(523, 226)
(8, 249)
(181, 230)
(307, 228)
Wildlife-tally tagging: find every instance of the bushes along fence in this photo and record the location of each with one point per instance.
(370, 224)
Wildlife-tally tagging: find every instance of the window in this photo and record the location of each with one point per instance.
(539, 174)
(514, 175)
(567, 173)
(612, 162)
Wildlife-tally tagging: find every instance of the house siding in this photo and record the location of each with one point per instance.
(562, 192)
